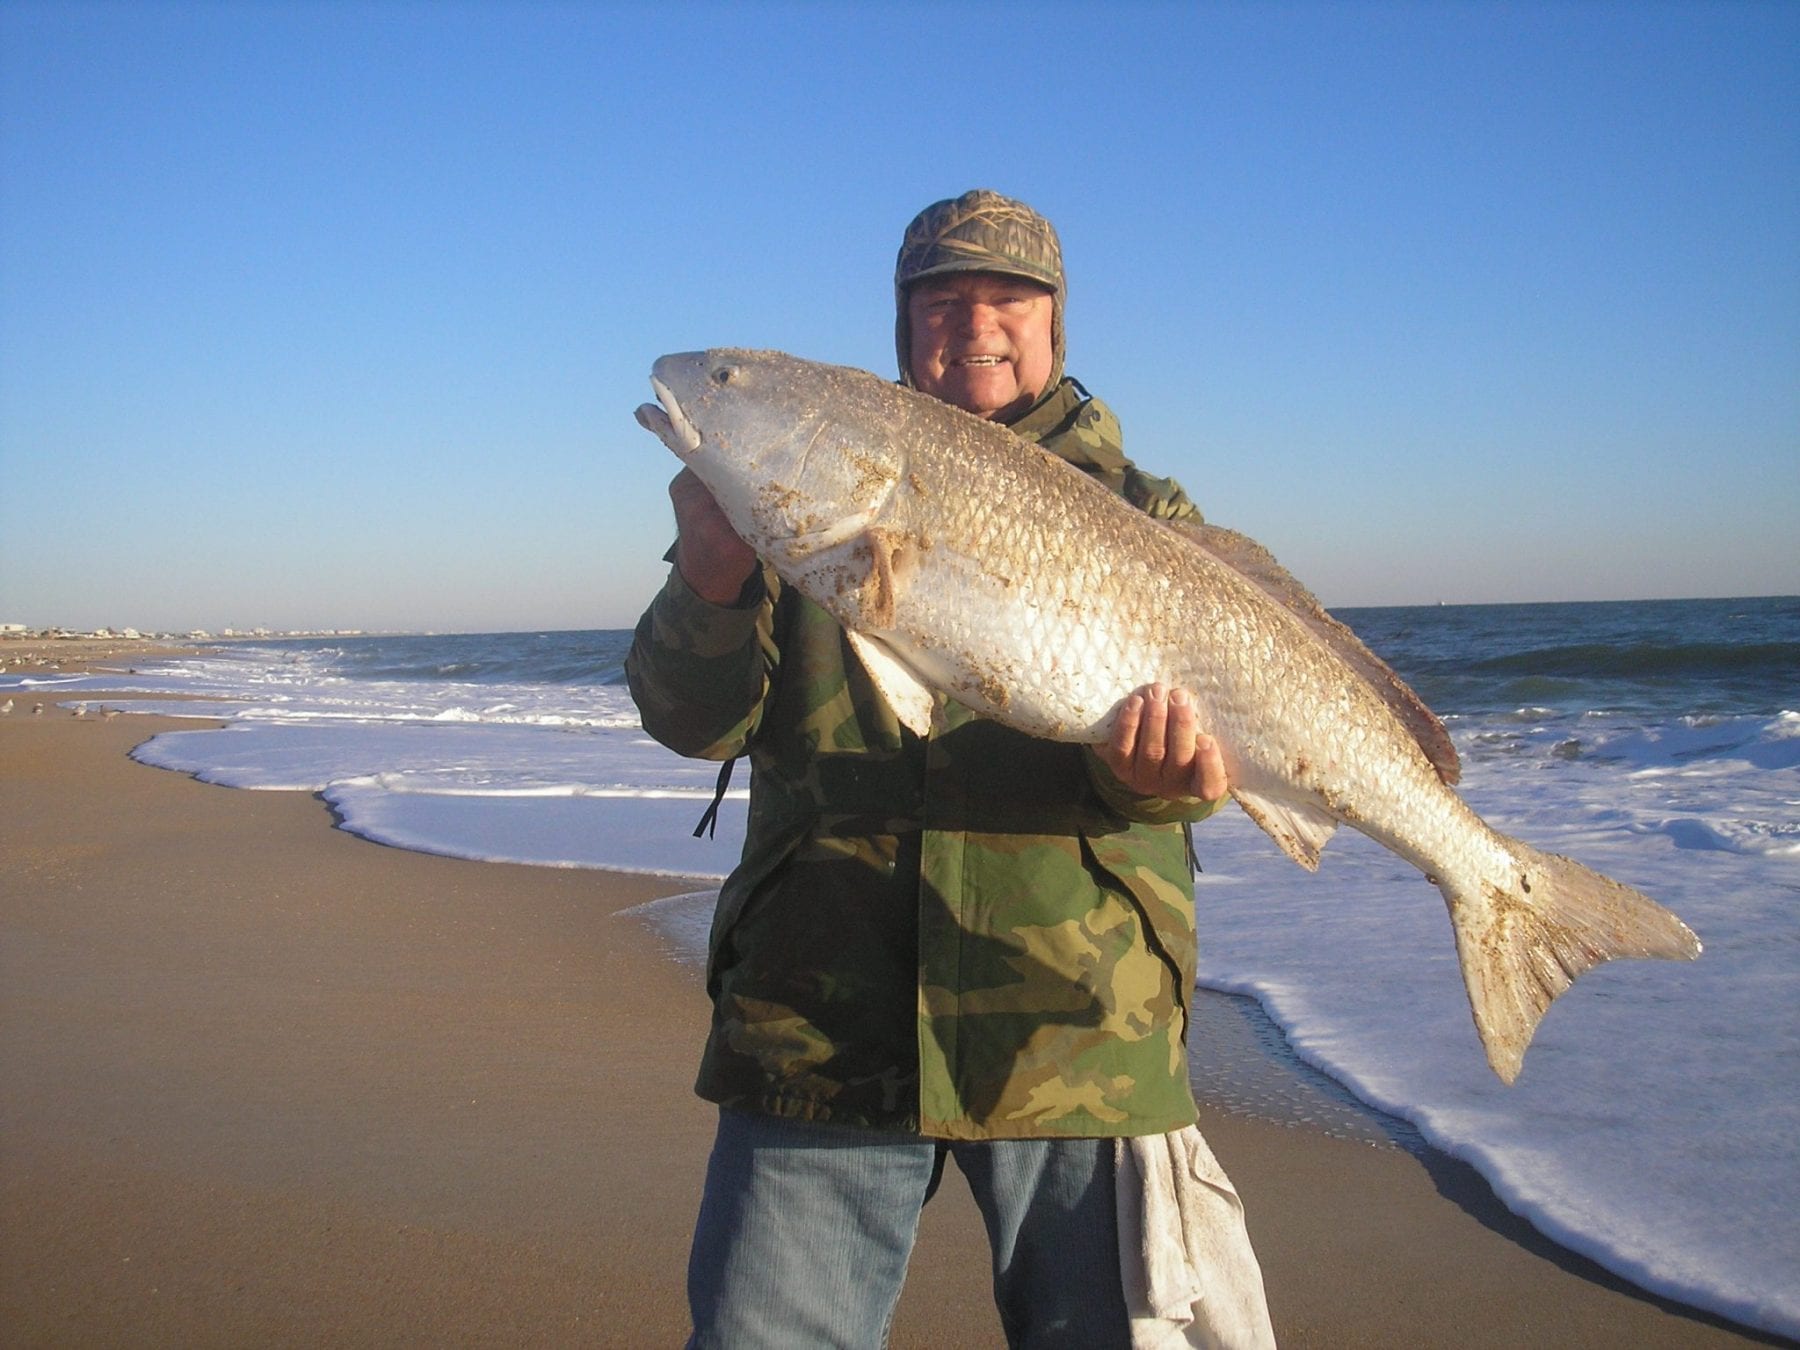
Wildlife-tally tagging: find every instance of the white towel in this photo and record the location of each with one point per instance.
(1190, 1276)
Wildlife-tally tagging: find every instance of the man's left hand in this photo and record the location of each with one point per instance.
(1158, 750)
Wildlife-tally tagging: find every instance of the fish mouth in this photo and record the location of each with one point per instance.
(668, 423)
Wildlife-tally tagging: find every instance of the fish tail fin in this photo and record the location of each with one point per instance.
(1524, 936)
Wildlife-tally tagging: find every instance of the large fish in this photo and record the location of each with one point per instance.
(967, 563)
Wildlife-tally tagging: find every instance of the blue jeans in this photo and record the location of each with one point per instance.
(805, 1230)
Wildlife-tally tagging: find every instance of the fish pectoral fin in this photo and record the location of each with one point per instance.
(1300, 828)
(913, 701)
(890, 561)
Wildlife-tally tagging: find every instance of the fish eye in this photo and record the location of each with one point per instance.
(724, 374)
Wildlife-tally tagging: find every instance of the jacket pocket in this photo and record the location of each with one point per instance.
(748, 880)
(1148, 865)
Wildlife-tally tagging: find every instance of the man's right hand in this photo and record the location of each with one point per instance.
(711, 556)
(1158, 749)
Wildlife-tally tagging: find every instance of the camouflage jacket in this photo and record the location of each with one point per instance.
(971, 935)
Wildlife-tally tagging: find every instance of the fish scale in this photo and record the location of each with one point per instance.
(966, 563)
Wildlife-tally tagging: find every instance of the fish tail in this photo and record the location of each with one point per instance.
(1523, 937)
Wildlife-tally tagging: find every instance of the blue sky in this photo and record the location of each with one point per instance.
(335, 314)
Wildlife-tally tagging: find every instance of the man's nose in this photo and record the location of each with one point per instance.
(976, 317)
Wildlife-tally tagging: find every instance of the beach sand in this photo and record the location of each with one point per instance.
(266, 1083)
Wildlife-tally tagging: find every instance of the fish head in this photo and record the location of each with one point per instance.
(778, 441)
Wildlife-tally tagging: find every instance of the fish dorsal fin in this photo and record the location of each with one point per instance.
(912, 702)
(1249, 558)
(1301, 828)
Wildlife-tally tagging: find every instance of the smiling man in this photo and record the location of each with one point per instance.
(972, 945)
(981, 341)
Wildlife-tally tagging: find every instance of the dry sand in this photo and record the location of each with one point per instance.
(265, 1083)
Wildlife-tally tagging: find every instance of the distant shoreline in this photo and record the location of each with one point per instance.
(188, 640)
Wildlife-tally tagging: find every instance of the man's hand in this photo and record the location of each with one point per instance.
(1156, 748)
(711, 557)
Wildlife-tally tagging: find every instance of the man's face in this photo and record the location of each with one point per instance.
(981, 341)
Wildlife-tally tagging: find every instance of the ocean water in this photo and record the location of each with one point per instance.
(1656, 1126)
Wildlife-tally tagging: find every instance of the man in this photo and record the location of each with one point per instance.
(973, 945)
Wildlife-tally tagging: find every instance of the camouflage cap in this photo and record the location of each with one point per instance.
(980, 231)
